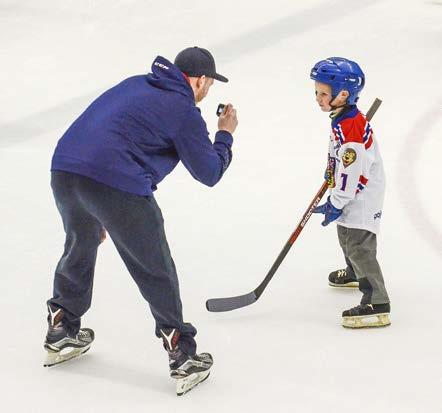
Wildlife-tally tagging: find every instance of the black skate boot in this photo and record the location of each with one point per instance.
(188, 371)
(367, 315)
(59, 345)
(343, 278)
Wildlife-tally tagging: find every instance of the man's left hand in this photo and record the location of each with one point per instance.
(102, 235)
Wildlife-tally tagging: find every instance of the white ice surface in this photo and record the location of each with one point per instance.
(288, 352)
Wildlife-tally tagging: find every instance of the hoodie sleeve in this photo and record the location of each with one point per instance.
(206, 161)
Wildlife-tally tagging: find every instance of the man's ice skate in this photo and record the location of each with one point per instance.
(367, 315)
(343, 279)
(59, 345)
(188, 371)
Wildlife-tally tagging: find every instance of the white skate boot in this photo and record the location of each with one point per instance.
(188, 371)
(59, 345)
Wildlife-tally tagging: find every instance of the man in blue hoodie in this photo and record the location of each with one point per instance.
(104, 171)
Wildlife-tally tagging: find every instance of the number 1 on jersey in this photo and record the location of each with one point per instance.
(344, 181)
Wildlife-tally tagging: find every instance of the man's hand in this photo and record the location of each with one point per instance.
(331, 213)
(102, 234)
(227, 120)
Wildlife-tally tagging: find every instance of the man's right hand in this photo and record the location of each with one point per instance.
(227, 120)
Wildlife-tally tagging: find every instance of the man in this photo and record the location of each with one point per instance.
(104, 171)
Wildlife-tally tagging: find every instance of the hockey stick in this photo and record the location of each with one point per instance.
(232, 303)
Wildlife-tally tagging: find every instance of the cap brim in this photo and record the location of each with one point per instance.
(221, 78)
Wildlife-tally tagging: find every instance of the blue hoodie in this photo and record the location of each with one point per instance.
(134, 134)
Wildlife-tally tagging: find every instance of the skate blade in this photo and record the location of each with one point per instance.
(188, 383)
(353, 284)
(58, 357)
(367, 321)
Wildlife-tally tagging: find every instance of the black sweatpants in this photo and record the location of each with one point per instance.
(136, 226)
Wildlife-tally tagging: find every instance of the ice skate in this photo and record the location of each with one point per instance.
(59, 345)
(342, 279)
(188, 371)
(367, 315)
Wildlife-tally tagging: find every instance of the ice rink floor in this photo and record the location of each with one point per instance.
(288, 352)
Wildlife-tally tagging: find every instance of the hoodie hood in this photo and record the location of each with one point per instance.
(167, 76)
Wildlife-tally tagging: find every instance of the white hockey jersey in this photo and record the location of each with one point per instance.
(355, 163)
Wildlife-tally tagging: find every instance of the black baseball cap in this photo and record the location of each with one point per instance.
(196, 61)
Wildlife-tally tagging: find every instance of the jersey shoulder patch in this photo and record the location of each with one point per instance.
(357, 130)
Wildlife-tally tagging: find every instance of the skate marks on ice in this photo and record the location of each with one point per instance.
(407, 180)
(183, 385)
(39, 123)
(117, 371)
(302, 21)
(233, 49)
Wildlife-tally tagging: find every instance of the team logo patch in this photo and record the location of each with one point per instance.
(349, 157)
(330, 172)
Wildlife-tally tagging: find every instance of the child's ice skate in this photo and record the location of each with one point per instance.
(59, 345)
(188, 371)
(342, 278)
(367, 315)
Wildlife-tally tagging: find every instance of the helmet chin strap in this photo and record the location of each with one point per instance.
(333, 108)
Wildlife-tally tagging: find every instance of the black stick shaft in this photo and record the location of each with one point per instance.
(292, 238)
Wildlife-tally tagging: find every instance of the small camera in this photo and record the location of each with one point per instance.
(220, 109)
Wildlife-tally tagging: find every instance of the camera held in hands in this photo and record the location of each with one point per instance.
(220, 109)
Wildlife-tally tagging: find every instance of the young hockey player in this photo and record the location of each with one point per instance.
(356, 180)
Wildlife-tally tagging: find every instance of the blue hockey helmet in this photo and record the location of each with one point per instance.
(340, 74)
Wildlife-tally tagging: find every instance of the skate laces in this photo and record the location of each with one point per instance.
(202, 357)
(83, 334)
(342, 273)
(362, 307)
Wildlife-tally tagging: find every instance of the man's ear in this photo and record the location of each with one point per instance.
(345, 94)
(201, 81)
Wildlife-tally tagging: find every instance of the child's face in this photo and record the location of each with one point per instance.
(324, 97)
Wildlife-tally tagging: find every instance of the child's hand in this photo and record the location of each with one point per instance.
(331, 213)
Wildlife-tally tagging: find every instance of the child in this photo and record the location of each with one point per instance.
(356, 180)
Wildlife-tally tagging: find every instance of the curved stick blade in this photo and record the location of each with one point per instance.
(216, 305)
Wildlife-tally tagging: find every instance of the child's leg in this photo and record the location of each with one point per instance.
(350, 270)
(360, 248)
(343, 277)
